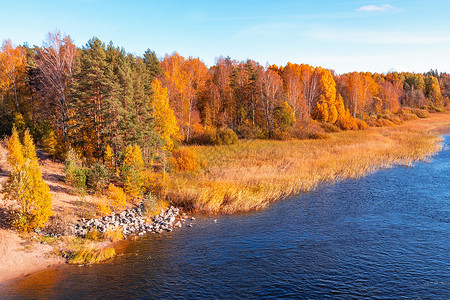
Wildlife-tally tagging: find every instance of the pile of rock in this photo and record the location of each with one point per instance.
(133, 222)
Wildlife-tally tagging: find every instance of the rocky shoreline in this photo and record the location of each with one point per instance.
(134, 222)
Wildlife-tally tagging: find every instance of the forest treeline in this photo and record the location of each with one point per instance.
(121, 113)
(99, 95)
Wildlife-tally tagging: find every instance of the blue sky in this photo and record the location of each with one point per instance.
(346, 36)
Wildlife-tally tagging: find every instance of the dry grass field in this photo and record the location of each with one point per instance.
(251, 174)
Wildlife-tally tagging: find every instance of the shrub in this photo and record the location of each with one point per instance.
(19, 124)
(421, 113)
(224, 136)
(153, 206)
(117, 197)
(73, 168)
(102, 207)
(97, 177)
(132, 171)
(432, 108)
(25, 185)
(309, 130)
(330, 128)
(346, 122)
(249, 131)
(362, 125)
(185, 160)
(278, 134)
(156, 183)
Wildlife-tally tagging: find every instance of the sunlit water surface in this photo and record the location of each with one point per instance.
(386, 235)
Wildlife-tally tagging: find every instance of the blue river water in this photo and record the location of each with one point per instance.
(385, 236)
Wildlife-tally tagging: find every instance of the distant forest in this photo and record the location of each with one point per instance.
(99, 95)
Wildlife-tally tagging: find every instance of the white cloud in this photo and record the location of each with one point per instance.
(376, 8)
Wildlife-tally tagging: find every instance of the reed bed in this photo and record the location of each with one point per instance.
(249, 175)
(89, 254)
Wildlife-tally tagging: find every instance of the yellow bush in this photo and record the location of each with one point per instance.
(102, 207)
(185, 160)
(25, 185)
(156, 183)
(362, 125)
(117, 197)
(132, 171)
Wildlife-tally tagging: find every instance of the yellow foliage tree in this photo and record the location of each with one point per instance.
(325, 109)
(132, 171)
(25, 185)
(51, 143)
(20, 125)
(165, 121)
(109, 158)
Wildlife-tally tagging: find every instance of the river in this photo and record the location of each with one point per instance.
(386, 235)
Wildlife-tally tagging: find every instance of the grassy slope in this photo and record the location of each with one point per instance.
(253, 173)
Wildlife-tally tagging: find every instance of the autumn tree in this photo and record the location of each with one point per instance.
(414, 90)
(165, 121)
(12, 71)
(352, 91)
(186, 80)
(310, 86)
(433, 91)
(326, 108)
(270, 87)
(25, 185)
(284, 117)
(390, 90)
(221, 77)
(293, 87)
(108, 158)
(240, 83)
(55, 62)
(196, 75)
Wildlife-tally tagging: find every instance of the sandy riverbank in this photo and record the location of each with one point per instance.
(19, 257)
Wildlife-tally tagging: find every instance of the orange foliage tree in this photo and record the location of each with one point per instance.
(12, 70)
